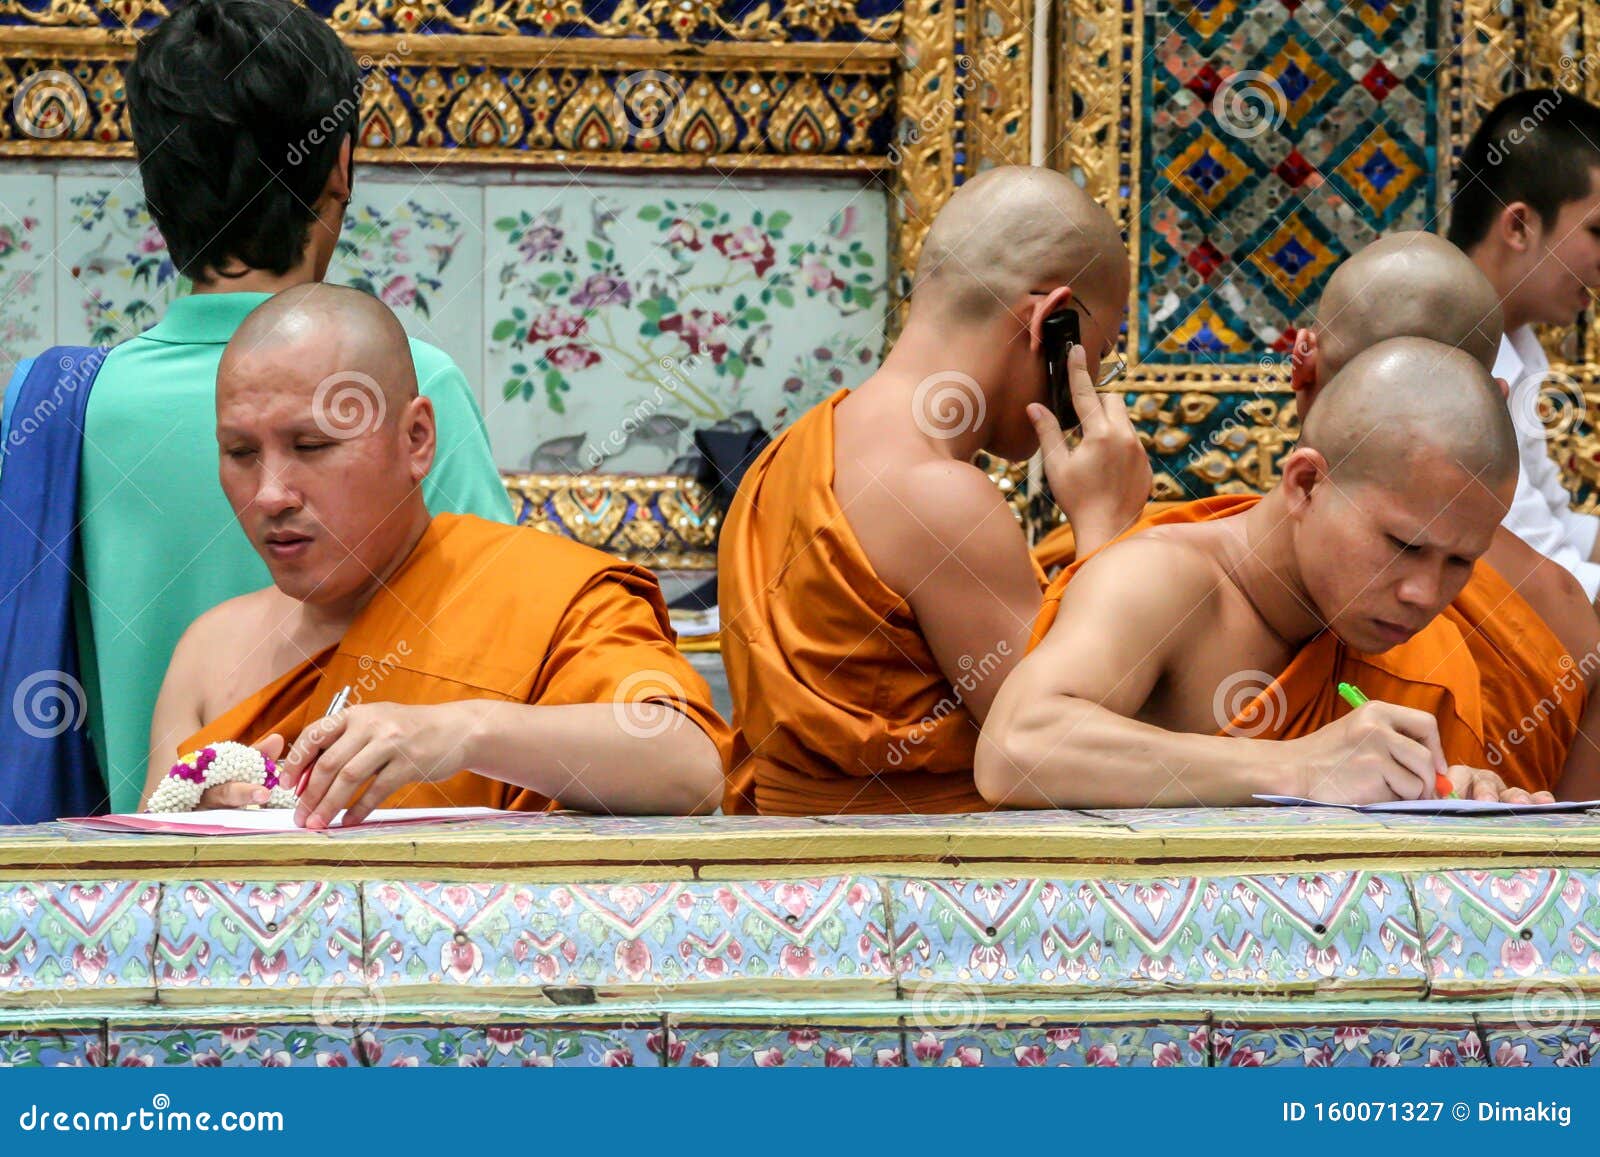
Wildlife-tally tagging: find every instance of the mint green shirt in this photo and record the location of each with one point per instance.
(160, 543)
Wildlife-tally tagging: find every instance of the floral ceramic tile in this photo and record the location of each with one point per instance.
(27, 268)
(1358, 1044)
(798, 1047)
(1511, 930)
(281, 939)
(74, 939)
(509, 1045)
(239, 1045)
(114, 277)
(417, 244)
(1322, 931)
(1065, 1045)
(622, 317)
(1530, 1045)
(51, 1047)
(624, 938)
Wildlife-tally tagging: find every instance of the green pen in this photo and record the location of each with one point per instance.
(1352, 695)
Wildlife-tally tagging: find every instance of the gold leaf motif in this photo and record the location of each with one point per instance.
(702, 123)
(385, 123)
(429, 92)
(804, 122)
(486, 115)
(593, 119)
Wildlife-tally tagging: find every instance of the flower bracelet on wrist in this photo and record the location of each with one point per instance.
(226, 762)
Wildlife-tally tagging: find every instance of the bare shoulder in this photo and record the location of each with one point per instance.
(921, 516)
(1158, 577)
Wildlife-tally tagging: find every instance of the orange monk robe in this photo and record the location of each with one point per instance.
(839, 704)
(484, 611)
(1486, 662)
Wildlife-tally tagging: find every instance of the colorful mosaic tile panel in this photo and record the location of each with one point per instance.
(1514, 930)
(626, 937)
(50, 1048)
(1359, 1044)
(502, 1045)
(1323, 931)
(798, 1047)
(1530, 1045)
(1062, 1046)
(241, 1045)
(76, 938)
(273, 940)
(1276, 139)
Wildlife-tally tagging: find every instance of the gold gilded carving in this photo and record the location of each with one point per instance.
(79, 12)
(859, 102)
(662, 520)
(429, 92)
(924, 149)
(702, 122)
(486, 114)
(594, 119)
(995, 86)
(803, 121)
(385, 122)
(1087, 135)
(50, 103)
(682, 20)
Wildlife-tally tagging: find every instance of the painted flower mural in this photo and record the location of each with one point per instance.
(125, 274)
(398, 255)
(682, 313)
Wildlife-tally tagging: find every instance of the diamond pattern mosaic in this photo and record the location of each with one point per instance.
(1277, 139)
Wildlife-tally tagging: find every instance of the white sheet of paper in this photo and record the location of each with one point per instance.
(1440, 807)
(246, 821)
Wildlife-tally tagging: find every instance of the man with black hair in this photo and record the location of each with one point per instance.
(1527, 211)
(244, 116)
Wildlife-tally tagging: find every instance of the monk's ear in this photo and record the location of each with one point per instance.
(1045, 304)
(421, 437)
(1303, 471)
(1504, 387)
(1303, 369)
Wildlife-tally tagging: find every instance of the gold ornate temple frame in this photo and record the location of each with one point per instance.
(916, 95)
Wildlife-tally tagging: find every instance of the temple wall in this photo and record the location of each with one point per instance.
(1246, 148)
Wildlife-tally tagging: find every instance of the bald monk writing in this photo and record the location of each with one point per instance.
(546, 668)
(875, 588)
(1404, 469)
(1523, 617)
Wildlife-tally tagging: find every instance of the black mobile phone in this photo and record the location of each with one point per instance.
(1058, 334)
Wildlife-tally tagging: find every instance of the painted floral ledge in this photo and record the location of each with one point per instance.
(1224, 937)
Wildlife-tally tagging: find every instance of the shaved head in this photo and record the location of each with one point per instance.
(342, 330)
(324, 441)
(1408, 404)
(1407, 285)
(1405, 468)
(1015, 229)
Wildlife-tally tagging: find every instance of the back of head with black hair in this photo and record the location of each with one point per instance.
(238, 109)
(1540, 147)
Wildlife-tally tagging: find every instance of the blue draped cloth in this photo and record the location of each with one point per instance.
(47, 762)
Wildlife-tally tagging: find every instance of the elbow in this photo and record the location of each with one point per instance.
(1002, 769)
(696, 787)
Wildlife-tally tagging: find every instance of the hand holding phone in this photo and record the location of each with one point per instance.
(1058, 333)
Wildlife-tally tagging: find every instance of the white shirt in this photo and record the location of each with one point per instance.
(1541, 514)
